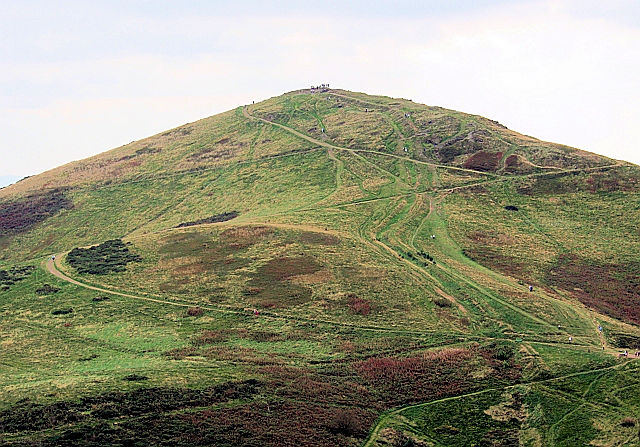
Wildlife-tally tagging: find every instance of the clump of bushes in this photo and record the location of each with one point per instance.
(501, 351)
(345, 422)
(421, 257)
(110, 256)
(97, 299)
(442, 302)
(135, 378)
(47, 289)
(62, 311)
(222, 217)
(195, 311)
(13, 275)
(628, 422)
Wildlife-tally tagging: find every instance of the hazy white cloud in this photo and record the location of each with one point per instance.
(564, 71)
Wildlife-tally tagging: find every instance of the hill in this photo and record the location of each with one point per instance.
(323, 268)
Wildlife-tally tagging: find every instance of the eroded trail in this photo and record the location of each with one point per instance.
(313, 140)
(52, 268)
(386, 417)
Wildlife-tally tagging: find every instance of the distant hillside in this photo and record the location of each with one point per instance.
(351, 120)
(6, 180)
(323, 268)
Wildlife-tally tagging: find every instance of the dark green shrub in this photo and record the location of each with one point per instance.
(47, 289)
(223, 217)
(13, 275)
(135, 378)
(442, 302)
(628, 422)
(108, 257)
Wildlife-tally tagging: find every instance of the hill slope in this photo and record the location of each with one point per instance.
(293, 269)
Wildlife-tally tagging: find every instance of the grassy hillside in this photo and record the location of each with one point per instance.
(323, 268)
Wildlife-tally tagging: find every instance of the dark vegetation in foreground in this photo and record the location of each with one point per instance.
(110, 256)
(20, 215)
(13, 275)
(222, 217)
(27, 415)
(324, 404)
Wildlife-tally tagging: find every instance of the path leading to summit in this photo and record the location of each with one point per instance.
(313, 140)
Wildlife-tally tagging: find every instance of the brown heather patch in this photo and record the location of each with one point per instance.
(492, 258)
(358, 305)
(484, 161)
(316, 238)
(209, 337)
(285, 267)
(195, 311)
(613, 289)
(418, 378)
(244, 237)
(318, 277)
(20, 215)
(276, 284)
(282, 424)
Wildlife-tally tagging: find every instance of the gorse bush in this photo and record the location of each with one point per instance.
(110, 256)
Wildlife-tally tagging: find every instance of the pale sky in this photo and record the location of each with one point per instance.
(78, 78)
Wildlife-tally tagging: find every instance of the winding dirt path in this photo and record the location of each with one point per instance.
(387, 416)
(52, 268)
(313, 140)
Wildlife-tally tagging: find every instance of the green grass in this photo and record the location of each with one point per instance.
(456, 352)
